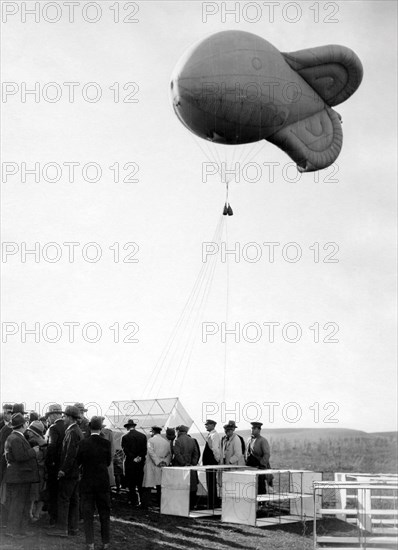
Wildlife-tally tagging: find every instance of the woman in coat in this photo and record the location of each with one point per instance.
(35, 435)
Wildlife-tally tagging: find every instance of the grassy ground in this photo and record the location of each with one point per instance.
(135, 529)
(140, 530)
(149, 530)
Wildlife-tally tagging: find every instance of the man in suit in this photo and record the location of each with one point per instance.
(186, 453)
(82, 421)
(55, 435)
(258, 455)
(7, 414)
(211, 457)
(21, 472)
(68, 477)
(94, 455)
(5, 431)
(134, 445)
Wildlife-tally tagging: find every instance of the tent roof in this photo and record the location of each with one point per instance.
(165, 412)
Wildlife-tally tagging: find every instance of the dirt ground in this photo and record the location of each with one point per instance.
(135, 529)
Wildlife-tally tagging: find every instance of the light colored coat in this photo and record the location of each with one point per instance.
(158, 451)
(231, 451)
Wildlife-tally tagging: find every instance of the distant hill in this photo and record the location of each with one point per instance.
(328, 450)
(308, 434)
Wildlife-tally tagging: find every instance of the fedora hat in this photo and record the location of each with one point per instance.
(81, 407)
(17, 420)
(231, 425)
(72, 411)
(130, 424)
(55, 408)
(18, 408)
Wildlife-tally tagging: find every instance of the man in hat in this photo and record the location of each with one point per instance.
(231, 446)
(159, 455)
(258, 455)
(94, 455)
(211, 457)
(68, 477)
(7, 414)
(55, 435)
(186, 454)
(82, 421)
(134, 445)
(20, 474)
(5, 432)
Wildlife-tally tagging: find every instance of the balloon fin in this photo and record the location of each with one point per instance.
(225, 211)
(334, 72)
(230, 212)
(313, 142)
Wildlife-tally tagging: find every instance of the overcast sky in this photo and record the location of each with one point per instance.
(170, 212)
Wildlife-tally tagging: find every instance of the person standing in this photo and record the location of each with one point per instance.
(186, 454)
(107, 434)
(68, 477)
(83, 421)
(95, 456)
(134, 445)
(5, 431)
(55, 436)
(21, 472)
(231, 446)
(159, 455)
(7, 414)
(211, 457)
(258, 455)
(35, 436)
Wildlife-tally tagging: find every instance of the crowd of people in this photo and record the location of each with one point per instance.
(64, 464)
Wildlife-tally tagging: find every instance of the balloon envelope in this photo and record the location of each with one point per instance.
(234, 87)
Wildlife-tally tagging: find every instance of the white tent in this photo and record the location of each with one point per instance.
(165, 413)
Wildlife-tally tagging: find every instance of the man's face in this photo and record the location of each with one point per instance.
(53, 417)
(209, 427)
(229, 432)
(7, 416)
(24, 427)
(255, 432)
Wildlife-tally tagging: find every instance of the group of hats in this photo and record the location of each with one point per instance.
(157, 429)
(231, 425)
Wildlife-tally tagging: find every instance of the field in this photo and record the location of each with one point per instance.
(321, 450)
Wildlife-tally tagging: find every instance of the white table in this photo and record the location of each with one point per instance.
(291, 500)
